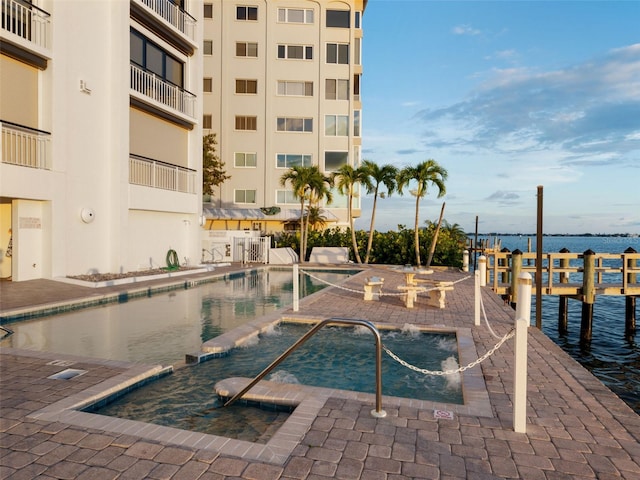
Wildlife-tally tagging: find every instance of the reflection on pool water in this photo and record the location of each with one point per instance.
(166, 326)
(336, 357)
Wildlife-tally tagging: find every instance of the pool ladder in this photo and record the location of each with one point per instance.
(378, 412)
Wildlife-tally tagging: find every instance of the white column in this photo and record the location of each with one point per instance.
(523, 320)
(296, 285)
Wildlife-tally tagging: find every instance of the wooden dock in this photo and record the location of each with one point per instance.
(581, 276)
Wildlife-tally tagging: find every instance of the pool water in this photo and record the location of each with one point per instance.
(166, 326)
(336, 357)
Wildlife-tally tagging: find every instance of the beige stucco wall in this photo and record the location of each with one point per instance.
(158, 139)
(18, 92)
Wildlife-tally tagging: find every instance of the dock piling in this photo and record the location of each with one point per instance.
(588, 296)
(630, 301)
(563, 300)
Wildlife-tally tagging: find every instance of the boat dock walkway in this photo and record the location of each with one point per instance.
(576, 427)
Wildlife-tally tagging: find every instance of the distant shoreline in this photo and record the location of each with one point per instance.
(498, 234)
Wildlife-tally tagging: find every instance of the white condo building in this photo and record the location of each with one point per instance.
(101, 139)
(103, 108)
(281, 88)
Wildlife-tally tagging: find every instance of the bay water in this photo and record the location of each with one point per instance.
(610, 356)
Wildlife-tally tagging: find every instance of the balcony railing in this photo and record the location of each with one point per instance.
(173, 15)
(153, 173)
(24, 146)
(26, 21)
(162, 91)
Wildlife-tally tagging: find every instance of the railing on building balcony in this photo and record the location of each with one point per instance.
(174, 15)
(24, 146)
(153, 173)
(25, 20)
(162, 91)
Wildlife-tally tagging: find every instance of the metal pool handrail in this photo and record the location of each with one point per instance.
(378, 412)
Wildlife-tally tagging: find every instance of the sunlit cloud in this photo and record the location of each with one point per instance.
(465, 30)
(593, 107)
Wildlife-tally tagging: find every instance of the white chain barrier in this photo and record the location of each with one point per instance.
(388, 294)
(481, 359)
(424, 371)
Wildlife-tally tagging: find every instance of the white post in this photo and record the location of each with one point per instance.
(482, 266)
(476, 297)
(296, 285)
(523, 320)
(465, 261)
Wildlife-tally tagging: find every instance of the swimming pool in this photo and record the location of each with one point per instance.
(336, 358)
(163, 327)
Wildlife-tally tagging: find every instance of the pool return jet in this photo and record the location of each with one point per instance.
(378, 412)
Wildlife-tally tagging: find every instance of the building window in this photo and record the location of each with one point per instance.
(338, 53)
(300, 52)
(356, 86)
(208, 10)
(151, 58)
(246, 122)
(356, 123)
(207, 85)
(286, 197)
(357, 22)
(336, 125)
(292, 124)
(336, 89)
(288, 160)
(295, 15)
(295, 89)
(207, 121)
(246, 49)
(207, 47)
(338, 18)
(244, 196)
(244, 12)
(357, 56)
(244, 159)
(246, 86)
(334, 160)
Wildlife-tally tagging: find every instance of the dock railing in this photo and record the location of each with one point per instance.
(563, 273)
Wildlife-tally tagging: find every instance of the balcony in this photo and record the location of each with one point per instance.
(155, 174)
(25, 31)
(159, 14)
(179, 104)
(24, 146)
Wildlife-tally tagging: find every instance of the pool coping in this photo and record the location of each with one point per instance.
(475, 393)
(308, 401)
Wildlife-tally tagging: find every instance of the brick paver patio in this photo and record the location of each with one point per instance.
(576, 427)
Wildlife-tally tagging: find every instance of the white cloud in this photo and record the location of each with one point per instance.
(465, 30)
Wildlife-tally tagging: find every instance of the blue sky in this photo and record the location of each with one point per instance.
(507, 95)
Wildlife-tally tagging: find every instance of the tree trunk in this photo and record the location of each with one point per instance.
(302, 248)
(417, 238)
(373, 216)
(356, 254)
(434, 240)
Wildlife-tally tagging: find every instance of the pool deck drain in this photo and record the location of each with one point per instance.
(576, 427)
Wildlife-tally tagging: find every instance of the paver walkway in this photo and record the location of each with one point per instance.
(576, 427)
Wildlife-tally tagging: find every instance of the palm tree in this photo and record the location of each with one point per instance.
(299, 177)
(385, 175)
(455, 231)
(315, 218)
(346, 179)
(308, 184)
(425, 173)
(319, 190)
